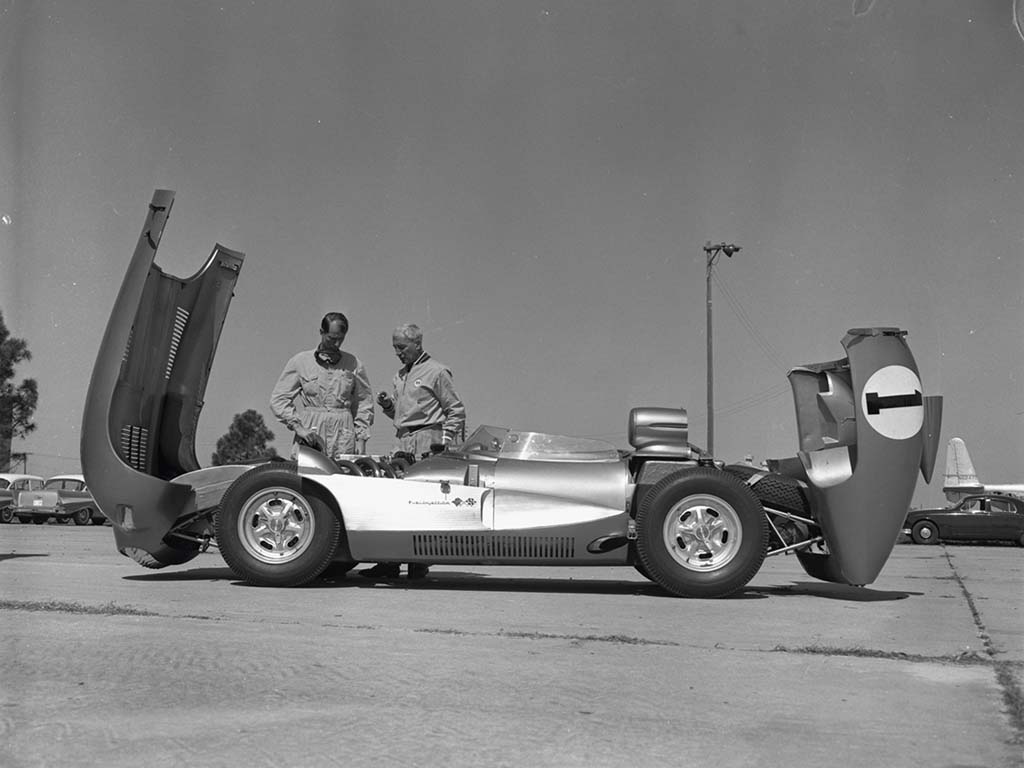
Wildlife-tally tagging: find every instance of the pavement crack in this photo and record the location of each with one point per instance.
(58, 606)
(614, 639)
(966, 658)
(1013, 697)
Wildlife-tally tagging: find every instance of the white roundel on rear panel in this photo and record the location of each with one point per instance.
(892, 402)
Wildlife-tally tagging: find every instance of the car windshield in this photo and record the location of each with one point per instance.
(537, 446)
(63, 484)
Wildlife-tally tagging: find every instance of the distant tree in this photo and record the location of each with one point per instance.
(17, 402)
(245, 440)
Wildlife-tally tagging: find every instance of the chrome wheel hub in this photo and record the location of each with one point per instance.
(276, 525)
(702, 533)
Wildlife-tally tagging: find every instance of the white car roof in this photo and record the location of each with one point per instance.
(11, 477)
(66, 477)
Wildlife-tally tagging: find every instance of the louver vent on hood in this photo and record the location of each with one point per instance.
(180, 321)
(134, 441)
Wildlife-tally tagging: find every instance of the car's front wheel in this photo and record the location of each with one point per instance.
(275, 528)
(40, 520)
(924, 532)
(701, 533)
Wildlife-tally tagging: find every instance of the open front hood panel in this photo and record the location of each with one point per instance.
(866, 429)
(144, 400)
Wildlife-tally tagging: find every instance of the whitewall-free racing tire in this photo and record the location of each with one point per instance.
(275, 528)
(701, 533)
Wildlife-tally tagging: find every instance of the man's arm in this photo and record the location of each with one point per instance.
(452, 407)
(362, 402)
(282, 398)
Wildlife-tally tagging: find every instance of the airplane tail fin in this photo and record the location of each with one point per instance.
(959, 467)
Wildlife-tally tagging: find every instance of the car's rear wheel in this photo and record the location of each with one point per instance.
(178, 553)
(24, 520)
(6, 515)
(773, 489)
(40, 520)
(275, 528)
(924, 532)
(82, 517)
(701, 533)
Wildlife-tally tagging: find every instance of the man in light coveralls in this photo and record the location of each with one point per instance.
(427, 412)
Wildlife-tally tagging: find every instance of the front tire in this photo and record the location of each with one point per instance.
(701, 533)
(275, 528)
(40, 520)
(924, 532)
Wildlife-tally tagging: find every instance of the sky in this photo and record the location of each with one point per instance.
(533, 184)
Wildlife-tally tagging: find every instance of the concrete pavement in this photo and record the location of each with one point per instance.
(104, 662)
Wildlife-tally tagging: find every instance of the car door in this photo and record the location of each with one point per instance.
(1004, 518)
(966, 522)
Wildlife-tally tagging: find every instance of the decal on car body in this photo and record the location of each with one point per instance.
(892, 402)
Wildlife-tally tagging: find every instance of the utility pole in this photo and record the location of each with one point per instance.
(712, 252)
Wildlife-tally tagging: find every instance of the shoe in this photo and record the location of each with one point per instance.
(418, 570)
(382, 571)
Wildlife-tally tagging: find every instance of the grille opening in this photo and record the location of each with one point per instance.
(492, 546)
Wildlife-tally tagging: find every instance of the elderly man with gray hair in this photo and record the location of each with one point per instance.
(423, 403)
(427, 412)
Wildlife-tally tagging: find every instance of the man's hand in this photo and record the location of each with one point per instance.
(309, 437)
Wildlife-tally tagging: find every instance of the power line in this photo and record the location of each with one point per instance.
(741, 314)
(765, 396)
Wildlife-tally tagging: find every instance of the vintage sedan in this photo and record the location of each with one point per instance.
(10, 484)
(62, 497)
(992, 517)
(688, 522)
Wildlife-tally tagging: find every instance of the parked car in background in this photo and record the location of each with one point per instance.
(10, 484)
(63, 497)
(976, 518)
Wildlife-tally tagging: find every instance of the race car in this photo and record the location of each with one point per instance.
(693, 524)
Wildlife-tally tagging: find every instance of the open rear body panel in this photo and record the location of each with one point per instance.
(146, 391)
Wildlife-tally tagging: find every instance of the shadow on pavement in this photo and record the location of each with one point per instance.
(471, 581)
(834, 592)
(194, 574)
(12, 555)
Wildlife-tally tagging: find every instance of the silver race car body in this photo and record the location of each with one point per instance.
(696, 526)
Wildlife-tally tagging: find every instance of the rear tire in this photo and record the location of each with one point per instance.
(6, 515)
(701, 533)
(924, 532)
(82, 517)
(275, 528)
(163, 555)
(40, 520)
(780, 492)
